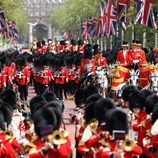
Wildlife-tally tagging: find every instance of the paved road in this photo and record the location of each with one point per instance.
(69, 106)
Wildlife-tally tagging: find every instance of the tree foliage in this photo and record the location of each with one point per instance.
(70, 16)
(15, 11)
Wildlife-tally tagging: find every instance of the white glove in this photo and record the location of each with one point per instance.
(135, 61)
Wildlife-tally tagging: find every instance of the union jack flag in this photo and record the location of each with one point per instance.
(84, 30)
(111, 19)
(98, 28)
(95, 22)
(102, 17)
(15, 31)
(90, 27)
(145, 14)
(123, 6)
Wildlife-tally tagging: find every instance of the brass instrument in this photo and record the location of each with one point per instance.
(25, 147)
(89, 130)
(127, 145)
(57, 138)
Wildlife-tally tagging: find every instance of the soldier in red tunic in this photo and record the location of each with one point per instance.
(47, 130)
(98, 59)
(44, 46)
(22, 78)
(45, 76)
(80, 48)
(63, 80)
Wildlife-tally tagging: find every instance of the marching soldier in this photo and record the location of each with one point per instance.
(80, 48)
(22, 78)
(47, 144)
(63, 80)
(44, 76)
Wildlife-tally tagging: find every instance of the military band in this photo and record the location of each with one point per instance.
(123, 126)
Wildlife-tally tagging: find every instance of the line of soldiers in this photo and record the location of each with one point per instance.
(57, 47)
(55, 72)
(105, 129)
(39, 133)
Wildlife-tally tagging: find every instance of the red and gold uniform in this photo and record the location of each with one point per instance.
(80, 48)
(62, 151)
(9, 146)
(8, 75)
(122, 73)
(22, 78)
(99, 61)
(45, 77)
(139, 118)
(44, 48)
(145, 71)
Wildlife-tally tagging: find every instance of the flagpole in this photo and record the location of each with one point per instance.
(111, 42)
(105, 47)
(144, 38)
(133, 32)
(123, 36)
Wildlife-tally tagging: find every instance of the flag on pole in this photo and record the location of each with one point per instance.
(65, 36)
(122, 7)
(84, 30)
(145, 13)
(102, 17)
(94, 28)
(90, 27)
(111, 19)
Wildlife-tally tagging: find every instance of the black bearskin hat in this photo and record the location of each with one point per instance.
(49, 96)
(44, 119)
(127, 91)
(150, 102)
(102, 107)
(93, 98)
(116, 120)
(8, 96)
(80, 42)
(154, 115)
(91, 90)
(80, 97)
(90, 112)
(7, 112)
(73, 42)
(144, 94)
(88, 51)
(135, 100)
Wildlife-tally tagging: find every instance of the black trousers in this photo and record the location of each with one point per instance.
(60, 89)
(23, 90)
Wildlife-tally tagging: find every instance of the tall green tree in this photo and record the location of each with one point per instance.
(70, 16)
(15, 11)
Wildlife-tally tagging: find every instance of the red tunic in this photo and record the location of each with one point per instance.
(45, 77)
(22, 77)
(64, 76)
(138, 55)
(123, 57)
(99, 61)
(63, 151)
(80, 49)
